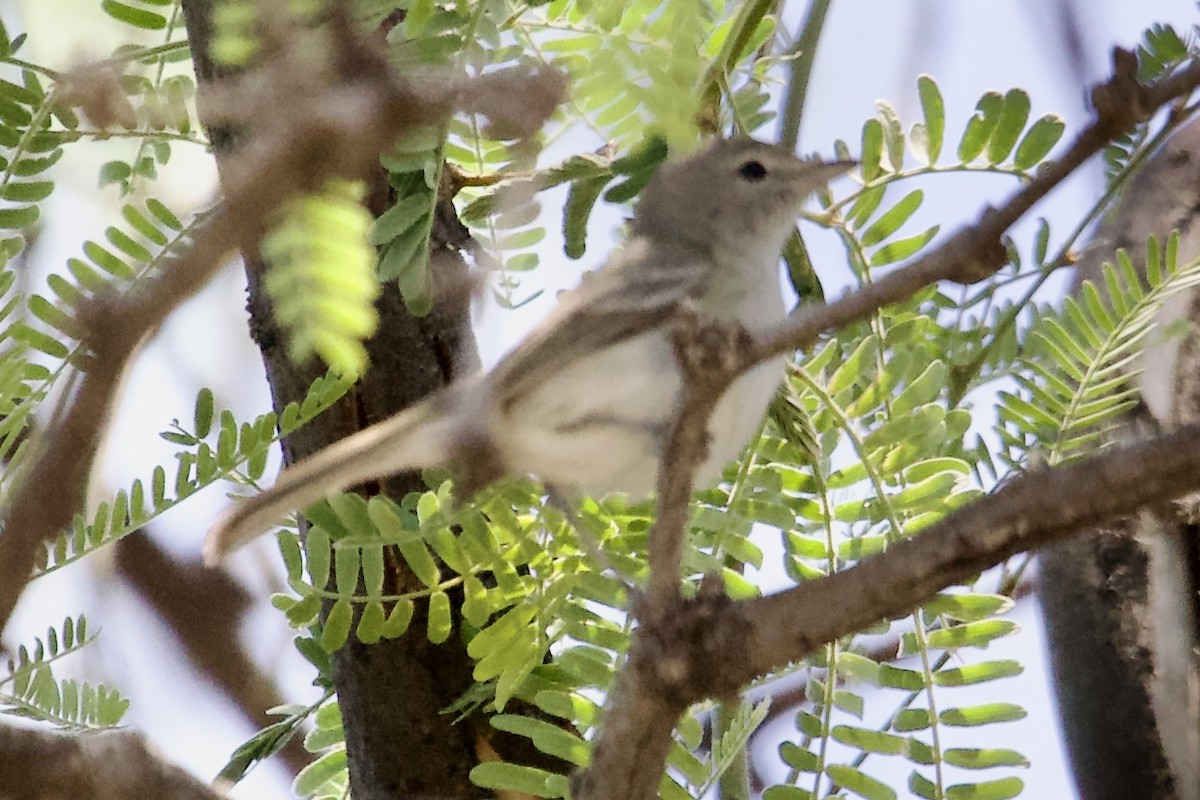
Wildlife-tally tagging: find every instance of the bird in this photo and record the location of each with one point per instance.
(585, 402)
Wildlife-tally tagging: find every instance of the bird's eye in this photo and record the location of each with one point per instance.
(752, 171)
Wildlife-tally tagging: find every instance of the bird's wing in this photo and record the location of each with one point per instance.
(626, 297)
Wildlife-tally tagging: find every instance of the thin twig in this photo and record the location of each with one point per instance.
(805, 51)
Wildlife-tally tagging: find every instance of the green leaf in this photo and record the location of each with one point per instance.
(868, 740)
(648, 154)
(872, 150)
(137, 17)
(19, 218)
(372, 569)
(866, 204)
(441, 621)
(501, 630)
(922, 786)
(978, 673)
(27, 192)
(328, 767)
(371, 623)
(514, 778)
(317, 555)
(901, 249)
(1002, 789)
(522, 239)
(1039, 141)
(28, 167)
(967, 607)
(629, 188)
(849, 702)
(337, 626)
(852, 367)
(143, 226)
(398, 619)
(893, 134)
(346, 570)
(860, 783)
(262, 745)
(798, 757)
(935, 489)
(581, 199)
(891, 220)
(899, 678)
(38, 340)
(912, 719)
(935, 115)
(399, 219)
(857, 667)
(546, 737)
(203, 417)
(305, 612)
(980, 127)
(919, 142)
(985, 714)
(1013, 116)
(588, 664)
(920, 390)
(108, 261)
(973, 758)
(163, 214)
(859, 547)
(420, 13)
(55, 317)
(971, 634)
(918, 752)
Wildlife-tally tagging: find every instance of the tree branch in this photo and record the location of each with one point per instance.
(975, 252)
(204, 608)
(112, 765)
(683, 657)
(680, 655)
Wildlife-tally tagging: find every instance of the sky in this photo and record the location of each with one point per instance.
(872, 49)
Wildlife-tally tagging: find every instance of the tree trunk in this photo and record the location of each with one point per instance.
(392, 694)
(1121, 603)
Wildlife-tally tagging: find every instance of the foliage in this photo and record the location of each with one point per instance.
(322, 276)
(871, 440)
(231, 451)
(1074, 377)
(1161, 51)
(32, 691)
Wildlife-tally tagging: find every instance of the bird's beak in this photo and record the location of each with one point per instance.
(822, 172)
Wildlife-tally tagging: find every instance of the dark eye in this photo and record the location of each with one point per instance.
(752, 171)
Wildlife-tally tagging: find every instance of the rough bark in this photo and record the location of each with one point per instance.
(392, 694)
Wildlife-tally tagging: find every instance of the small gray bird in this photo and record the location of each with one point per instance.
(585, 402)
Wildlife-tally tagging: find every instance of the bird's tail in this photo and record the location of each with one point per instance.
(416, 438)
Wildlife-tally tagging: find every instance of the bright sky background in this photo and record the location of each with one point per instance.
(872, 49)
